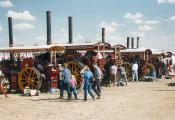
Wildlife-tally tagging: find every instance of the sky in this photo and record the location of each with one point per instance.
(151, 20)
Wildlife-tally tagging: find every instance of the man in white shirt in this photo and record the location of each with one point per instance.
(113, 73)
(135, 72)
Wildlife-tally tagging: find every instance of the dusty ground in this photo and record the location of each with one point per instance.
(137, 101)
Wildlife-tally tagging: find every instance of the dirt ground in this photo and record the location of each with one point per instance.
(137, 101)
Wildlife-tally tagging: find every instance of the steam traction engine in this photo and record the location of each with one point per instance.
(126, 56)
(77, 55)
(24, 73)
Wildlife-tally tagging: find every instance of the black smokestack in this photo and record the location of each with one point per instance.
(10, 35)
(48, 17)
(132, 42)
(103, 34)
(128, 42)
(138, 42)
(10, 32)
(70, 30)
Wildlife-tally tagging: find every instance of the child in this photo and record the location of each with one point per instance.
(73, 84)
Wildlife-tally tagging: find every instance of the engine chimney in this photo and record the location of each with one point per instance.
(10, 35)
(103, 34)
(70, 30)
(48, 18)
(132, 42)
(10, 32)
(138, 42)
(128, 42)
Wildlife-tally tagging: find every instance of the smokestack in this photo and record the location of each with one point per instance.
(10, 35)
(128, 42)
(132, 42)
(138, 42)
(103, 34)
(48, 18)
(10, 32)
(70, 30)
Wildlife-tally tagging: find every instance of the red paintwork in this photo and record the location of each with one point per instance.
(54, 77)
(14, 81)
(27, 62)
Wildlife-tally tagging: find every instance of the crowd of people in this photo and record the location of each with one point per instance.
(91, 78)
(91, 81)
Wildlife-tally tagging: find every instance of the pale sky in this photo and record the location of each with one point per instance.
(152, 20)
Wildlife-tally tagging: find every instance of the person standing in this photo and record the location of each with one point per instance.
(173, 68)
(98, 77)
(113, 74)
(135, 72)
(107, 66)
(87, 75)
(67, 77)
(60, 80)
(122, 75)
(73, 84)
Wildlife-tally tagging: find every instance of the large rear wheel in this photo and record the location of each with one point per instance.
(147, 70)
(29, 77)
(75, 68)
(128, 70)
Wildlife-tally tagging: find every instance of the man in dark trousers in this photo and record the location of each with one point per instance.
(122, 76)
(98, 78)
(67, 77)
(60, 81)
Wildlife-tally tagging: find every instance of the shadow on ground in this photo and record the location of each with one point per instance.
(163, 90)
(171, 84)
(60, 100)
